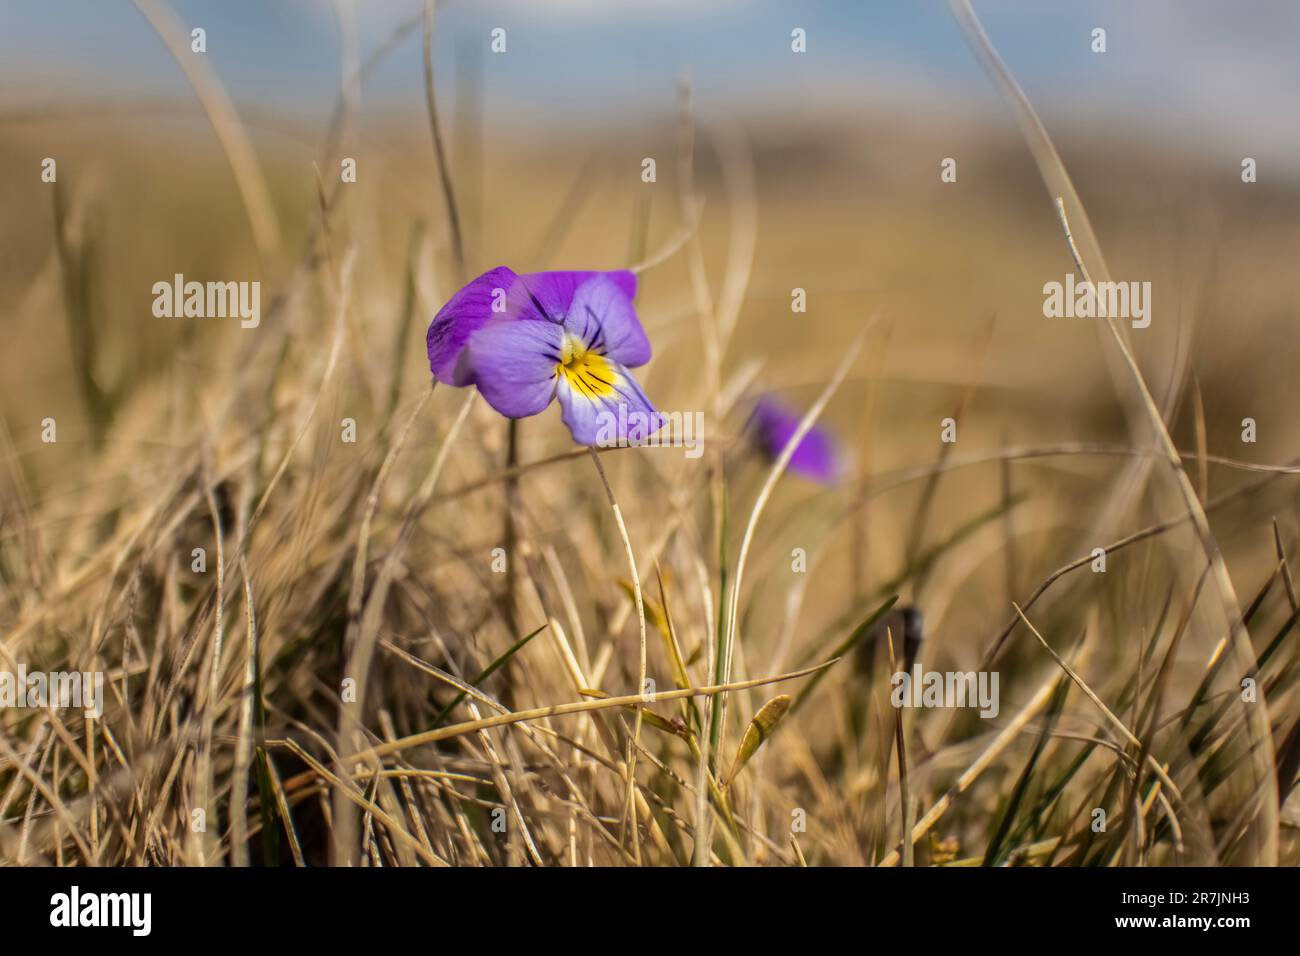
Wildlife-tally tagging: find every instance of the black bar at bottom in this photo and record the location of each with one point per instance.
(600, 907)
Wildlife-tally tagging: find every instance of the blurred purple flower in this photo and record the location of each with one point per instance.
(524, 340)
(816, 458)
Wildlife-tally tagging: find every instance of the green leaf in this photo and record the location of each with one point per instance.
(487, 672)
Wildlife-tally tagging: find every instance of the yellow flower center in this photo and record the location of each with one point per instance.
(588, 373)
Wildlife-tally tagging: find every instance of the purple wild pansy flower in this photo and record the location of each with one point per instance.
(525, 340)
(815, 458)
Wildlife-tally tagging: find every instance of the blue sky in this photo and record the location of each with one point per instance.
(1209, 71)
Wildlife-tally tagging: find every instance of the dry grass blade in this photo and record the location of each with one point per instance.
(225, 122)
(580, 707)
(904, 799)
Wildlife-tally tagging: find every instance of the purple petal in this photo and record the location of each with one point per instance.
(514, 365)
(816, 458)
(554, 291)
(610, 415)
(602, 315)
(468, 311)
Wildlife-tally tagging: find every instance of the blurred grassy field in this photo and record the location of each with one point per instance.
(373, 562)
